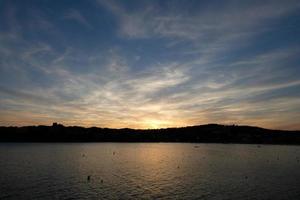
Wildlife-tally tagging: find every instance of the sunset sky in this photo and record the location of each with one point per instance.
(150, 64)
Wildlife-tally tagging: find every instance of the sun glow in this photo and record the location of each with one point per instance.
(154, 124)
(159, 123)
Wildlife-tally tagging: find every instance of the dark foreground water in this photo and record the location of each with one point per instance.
(149, 171)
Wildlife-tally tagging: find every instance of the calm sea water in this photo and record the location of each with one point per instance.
(149, 171)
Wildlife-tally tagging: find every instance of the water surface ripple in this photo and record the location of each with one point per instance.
(148, 171)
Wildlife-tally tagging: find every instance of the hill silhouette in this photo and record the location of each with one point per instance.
(210, 133)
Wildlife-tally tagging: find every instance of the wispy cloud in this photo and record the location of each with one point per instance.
(159, 65)
(234, 18)
(75, 15)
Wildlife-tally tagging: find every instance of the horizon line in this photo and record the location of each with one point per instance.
(178, 127)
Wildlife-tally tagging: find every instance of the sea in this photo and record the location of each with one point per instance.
(149, 171)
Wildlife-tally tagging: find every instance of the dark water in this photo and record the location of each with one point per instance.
(149, 171)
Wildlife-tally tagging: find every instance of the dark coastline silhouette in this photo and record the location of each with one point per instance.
(210, 133)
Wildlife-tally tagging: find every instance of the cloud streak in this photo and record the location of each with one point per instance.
(75, 15)
(152, 65)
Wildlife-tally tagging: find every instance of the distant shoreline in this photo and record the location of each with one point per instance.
(210, 133)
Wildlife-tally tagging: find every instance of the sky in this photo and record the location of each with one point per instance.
(150, 64)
